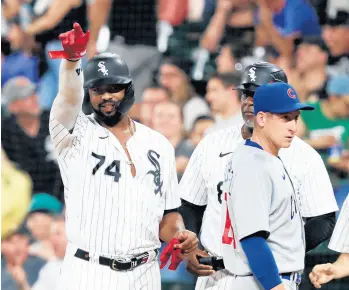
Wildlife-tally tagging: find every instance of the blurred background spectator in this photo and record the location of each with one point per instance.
(151, 97)
(168, 120)
(42, 210)
(224, 101)
(201, 126)
(25, 136)
(310, 75)
(185, 57)
(175, 76)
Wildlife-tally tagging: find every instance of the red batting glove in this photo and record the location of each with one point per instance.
(176, 259)
(168, 252)
(74, 43)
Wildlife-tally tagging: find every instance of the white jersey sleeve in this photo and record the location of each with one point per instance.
(310, 179)
(340, 238)
(172, 198)
(192, 186)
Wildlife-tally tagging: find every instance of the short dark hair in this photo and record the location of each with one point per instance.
(202, 118)
(228, 79)
(156, 86)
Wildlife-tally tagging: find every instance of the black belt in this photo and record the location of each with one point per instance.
(218, 264)
(118, 263)
(214, 261)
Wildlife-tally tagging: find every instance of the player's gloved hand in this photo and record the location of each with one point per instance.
(188, 241)
(194, 267)
(74, 43)
(322, 274)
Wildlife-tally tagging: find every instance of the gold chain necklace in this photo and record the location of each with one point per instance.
(131, 130)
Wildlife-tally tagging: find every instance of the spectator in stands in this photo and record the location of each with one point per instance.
(328, 127)
(98, 13)
(14, 250)
(282, 22)
(25, 137)
(133, 24)
(151, 97)
(201, 125)
(42, 210)
(168, 120)
(311, 75)
(229, 14)
(336, 35)
(225, 60)
(21, 62)
(224, 100)
(174, 76)
(341, 164)
(49, 274)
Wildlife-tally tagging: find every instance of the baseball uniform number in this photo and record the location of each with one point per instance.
(109, 170)
(220, 192)
(226, 238)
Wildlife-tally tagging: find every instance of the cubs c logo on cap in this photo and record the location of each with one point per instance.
(291, 93)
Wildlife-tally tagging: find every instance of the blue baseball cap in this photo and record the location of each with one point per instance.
(338, 85)
(277, 98)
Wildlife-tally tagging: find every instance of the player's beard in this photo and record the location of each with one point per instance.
(112, 118)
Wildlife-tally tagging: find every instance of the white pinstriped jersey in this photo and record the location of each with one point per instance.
(340, 238)
(202, 181)
(109, 211)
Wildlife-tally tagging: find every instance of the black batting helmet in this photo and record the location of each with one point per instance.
(261, 73)
(110, 69)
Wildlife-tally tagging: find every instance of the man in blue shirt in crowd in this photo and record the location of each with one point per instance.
(21, 61)
(284, 21)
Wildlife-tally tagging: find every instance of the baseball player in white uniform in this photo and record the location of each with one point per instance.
(119, 177)
(339, 242)
(263, 239)
(201, 184)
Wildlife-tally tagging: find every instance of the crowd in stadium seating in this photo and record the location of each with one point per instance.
(185, 58)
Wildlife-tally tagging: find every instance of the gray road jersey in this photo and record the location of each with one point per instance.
(260, 197)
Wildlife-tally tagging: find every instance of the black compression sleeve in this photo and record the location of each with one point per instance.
(192, 215)
(319, 229)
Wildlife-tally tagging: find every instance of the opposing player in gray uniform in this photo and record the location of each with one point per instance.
(119, 176)
(263, 239)
(324, 273)
(201, 184)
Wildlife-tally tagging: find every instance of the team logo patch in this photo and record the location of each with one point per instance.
(102, 68)
(252, 74)
(291, 93)
(153, 158)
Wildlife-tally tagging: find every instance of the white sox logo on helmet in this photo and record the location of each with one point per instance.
(252, 74)
(102, 68)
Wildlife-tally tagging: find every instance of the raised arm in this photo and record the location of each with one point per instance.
(215, 30)
(68, 102)
(98, 12)
(55, 13)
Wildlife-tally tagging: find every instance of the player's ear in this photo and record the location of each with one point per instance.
(260, 119)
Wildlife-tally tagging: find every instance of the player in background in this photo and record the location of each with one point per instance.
(263, 239)
(324, 273)
(119, 177)
(201, 184)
